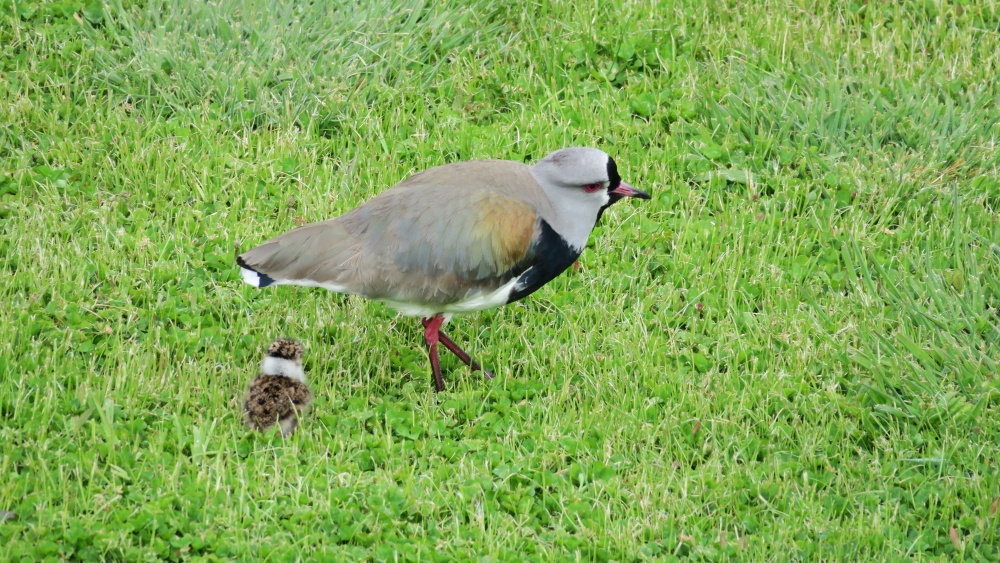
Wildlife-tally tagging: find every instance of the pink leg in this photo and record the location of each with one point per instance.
(432, 326)
(462, 354)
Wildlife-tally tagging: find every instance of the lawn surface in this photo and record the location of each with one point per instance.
(791, 352)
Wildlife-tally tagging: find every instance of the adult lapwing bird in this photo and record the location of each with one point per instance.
(279, 395)
(457, 238)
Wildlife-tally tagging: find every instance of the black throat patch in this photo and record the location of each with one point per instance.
(547, 258)
(614, 180)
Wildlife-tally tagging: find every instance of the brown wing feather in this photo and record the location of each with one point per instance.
(509, 226)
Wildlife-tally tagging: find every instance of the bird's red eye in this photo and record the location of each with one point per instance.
(591, 188)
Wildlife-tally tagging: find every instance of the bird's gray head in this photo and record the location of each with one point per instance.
(581, 182)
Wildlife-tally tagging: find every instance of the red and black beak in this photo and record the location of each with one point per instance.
(625, 190)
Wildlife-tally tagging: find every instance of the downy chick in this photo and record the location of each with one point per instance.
(279, 394)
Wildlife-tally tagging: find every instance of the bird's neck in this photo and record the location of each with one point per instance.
(283, 367)
(573, 216)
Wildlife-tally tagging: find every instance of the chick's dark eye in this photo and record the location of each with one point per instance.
(591, 188)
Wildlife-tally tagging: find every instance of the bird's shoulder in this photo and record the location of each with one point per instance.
(475, 216)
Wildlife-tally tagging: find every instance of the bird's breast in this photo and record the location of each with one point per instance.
(551, 255)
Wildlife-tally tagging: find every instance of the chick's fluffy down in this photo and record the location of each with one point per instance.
(276, 399)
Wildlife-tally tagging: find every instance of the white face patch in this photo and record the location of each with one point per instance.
(282, 367)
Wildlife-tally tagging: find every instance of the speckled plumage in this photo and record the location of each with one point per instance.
(275, 397)
(286, 349)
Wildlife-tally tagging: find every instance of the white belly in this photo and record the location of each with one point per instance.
(474, 302)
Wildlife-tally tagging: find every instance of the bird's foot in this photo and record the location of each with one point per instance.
(464, 356)
(432, 330)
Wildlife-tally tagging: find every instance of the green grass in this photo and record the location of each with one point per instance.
(791, 352)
